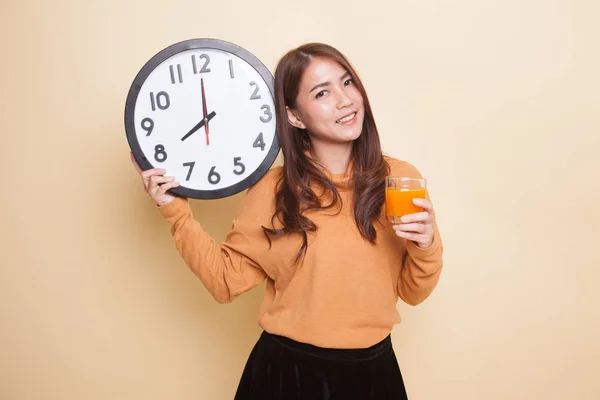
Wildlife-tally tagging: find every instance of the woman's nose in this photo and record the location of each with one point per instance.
(343, 101)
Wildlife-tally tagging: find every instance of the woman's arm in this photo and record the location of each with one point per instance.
(226, 270)
(422, 251)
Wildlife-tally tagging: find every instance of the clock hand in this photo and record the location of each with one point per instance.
(204, 108)
(199, 125)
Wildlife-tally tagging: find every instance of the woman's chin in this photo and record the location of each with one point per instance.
(352, 134)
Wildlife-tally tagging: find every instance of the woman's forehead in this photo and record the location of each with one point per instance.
(321, 70)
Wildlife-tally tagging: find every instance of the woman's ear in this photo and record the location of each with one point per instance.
(294, 118)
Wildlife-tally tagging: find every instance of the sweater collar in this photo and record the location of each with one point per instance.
(343, 180)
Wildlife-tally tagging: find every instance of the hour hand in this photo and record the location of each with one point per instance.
(199, 125)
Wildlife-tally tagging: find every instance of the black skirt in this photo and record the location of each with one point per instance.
(280, 368)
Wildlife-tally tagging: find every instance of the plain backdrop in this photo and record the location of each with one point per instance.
(496, 102)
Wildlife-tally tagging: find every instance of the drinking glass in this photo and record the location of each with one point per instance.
(399, 195)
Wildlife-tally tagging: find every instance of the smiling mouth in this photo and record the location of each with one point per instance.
(346, 119)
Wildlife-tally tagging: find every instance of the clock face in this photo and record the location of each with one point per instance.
(203, 110)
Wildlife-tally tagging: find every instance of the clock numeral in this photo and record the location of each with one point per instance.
(148, 125)
(237, 163)
(194, 66)
(206, 57)
(191, 168)
(161, 100)
(213, 176)
(204, 68)
(160, 154)
(267, 110)
(255, 95)
(259, 142)
(231, 74)
(179, 74)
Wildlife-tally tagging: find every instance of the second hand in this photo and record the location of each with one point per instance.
(204, 112)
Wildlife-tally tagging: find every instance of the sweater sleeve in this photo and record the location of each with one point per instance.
(421, 268)
(233, 267)
(421, 271)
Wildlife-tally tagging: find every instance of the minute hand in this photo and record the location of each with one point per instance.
(199, 125)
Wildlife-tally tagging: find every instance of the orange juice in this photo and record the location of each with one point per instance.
(399, 202)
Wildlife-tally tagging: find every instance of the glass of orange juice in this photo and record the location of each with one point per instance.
(399, 195)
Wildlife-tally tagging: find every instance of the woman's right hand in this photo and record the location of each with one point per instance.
(156, 184)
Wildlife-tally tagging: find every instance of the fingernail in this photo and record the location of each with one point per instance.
(404, 219)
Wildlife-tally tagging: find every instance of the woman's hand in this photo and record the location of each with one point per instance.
(418, 227)
(156, 184)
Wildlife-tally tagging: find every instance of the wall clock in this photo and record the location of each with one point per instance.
(203, 109)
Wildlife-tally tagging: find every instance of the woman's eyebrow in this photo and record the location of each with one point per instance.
(346, 75)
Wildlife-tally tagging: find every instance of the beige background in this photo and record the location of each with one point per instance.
(496, 102)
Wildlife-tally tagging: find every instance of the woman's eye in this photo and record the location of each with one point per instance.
(349, 82)
(320, 94)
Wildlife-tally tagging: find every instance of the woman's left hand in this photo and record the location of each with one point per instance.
(418, 227)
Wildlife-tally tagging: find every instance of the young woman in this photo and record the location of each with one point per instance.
(315, 230)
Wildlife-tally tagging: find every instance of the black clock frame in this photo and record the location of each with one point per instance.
(192, 44)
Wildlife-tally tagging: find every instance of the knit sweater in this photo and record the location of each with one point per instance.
(344, 292)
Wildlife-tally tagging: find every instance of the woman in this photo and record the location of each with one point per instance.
(316, 230)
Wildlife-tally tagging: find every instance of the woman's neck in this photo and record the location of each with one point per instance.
(334, 157)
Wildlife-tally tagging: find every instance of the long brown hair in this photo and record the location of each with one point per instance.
(294, 195)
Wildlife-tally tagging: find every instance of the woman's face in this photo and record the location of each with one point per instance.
(329, 105)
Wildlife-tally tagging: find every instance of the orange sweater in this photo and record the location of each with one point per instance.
(345, 292)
